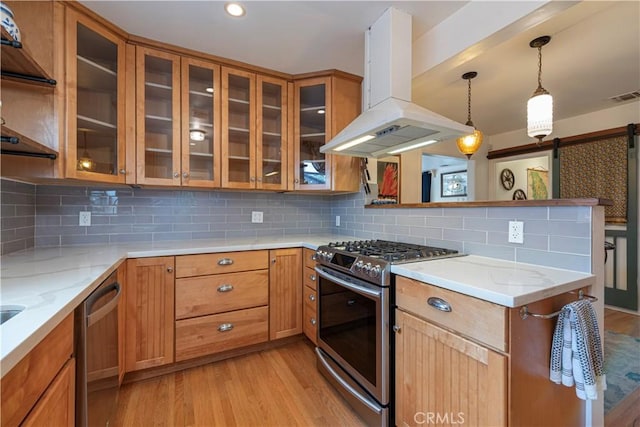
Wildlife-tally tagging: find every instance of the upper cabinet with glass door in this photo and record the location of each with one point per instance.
(271, 145)
(324, 105)
(96, 98)
(200, 123)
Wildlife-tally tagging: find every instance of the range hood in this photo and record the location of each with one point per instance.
(391, 123)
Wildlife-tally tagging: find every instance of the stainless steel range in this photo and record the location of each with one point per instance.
(354, 319)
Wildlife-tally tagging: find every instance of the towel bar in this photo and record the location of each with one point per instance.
(524, 311)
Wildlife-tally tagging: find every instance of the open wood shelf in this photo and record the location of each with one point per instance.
(18, 64)
(26, 146)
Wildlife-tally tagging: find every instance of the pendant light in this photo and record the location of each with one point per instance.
(85, 163)
(469, 144)
(540, 105)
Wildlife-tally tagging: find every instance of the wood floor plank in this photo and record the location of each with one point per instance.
(275, 387)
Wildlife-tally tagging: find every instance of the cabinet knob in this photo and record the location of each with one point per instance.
(273, 261)
(312, 277)
(252, 179)
(259, 179)
(176, 174)
(397, 329)
(123, 171)
(225, 288)
(314, 257)
(312, 297)
(169, 269)
(185, 175)
(313, 321)
(225, 327)
(297, 181)
(225, 261)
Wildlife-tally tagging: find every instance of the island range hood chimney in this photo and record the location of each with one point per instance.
(391, 123)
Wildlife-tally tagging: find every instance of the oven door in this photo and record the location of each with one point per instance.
(353, 329)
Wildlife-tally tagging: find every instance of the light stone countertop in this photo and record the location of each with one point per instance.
(507, 283)
(51, 282)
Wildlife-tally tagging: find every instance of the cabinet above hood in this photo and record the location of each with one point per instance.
(391, 123)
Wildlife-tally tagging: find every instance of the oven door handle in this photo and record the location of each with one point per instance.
(362, 398)
(351, 286)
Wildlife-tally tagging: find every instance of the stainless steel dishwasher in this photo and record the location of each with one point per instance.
(97, 355)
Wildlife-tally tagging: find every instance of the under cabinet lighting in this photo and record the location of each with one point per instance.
(411, 147)
(234, 9)
(355, 142)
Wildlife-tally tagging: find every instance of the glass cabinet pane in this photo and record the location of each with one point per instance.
(158, 119)
(97, 103)
(271, 133)
(312, 134)
(201, 123)
(239, 136)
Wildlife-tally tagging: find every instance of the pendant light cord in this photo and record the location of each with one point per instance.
(539, 67)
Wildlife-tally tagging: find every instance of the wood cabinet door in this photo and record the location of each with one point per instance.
(149, 297)
(445, 379)
(312, 129)
(271, 134)
(285, 293)
(95, 74)
(201, 119)
(57, 406)
(157, 117)
(238, 128)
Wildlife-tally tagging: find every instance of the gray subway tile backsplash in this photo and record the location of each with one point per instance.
(48, 216)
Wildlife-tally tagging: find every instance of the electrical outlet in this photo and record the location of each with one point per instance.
(337, 220)
(256, 217)
(516, 232)
(85, 219)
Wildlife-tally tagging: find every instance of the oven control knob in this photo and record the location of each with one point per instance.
(375, 271)
(367, 268)
(358, 265)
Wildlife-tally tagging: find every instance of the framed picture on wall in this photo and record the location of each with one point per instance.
(453, 184)
(389, 178)
(538, 183)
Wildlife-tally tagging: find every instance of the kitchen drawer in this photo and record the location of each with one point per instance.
(223, 262)
(213, 294)
(309, 314)
(309, 278)
(201, 336)
(480, 320)
(309, 258)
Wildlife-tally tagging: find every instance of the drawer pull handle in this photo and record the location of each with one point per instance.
(225, 288)
(169, 269)
(312, 277)
(225, 261)
(397, 329)
(312, 297)
(313, 321)
(225, 327)
(439, 304)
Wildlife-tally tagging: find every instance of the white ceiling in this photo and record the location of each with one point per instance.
(594, 53)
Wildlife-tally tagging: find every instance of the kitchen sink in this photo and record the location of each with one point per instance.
(8, 311)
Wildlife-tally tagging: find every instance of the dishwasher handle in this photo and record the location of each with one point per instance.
(105, 309)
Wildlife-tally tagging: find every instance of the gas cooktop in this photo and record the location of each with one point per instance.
(372, 259)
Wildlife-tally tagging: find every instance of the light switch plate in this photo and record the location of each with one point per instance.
(256, 217)
(516, 232)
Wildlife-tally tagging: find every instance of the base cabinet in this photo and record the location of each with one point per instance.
(465, 382)
(149, 297)
(40, 389)
(285, 293)
(478, 364)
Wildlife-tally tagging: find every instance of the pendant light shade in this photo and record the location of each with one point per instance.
(85, 162)
(540, 105)
(469, 144)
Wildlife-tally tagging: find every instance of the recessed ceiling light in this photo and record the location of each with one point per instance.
(234, 9)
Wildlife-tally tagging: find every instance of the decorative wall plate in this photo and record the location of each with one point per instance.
(519, 195)
(507, 179)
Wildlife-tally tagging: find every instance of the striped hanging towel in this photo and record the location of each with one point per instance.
(576, 351)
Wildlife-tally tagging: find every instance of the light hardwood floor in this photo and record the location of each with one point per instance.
(627, 412)
(275, 387)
